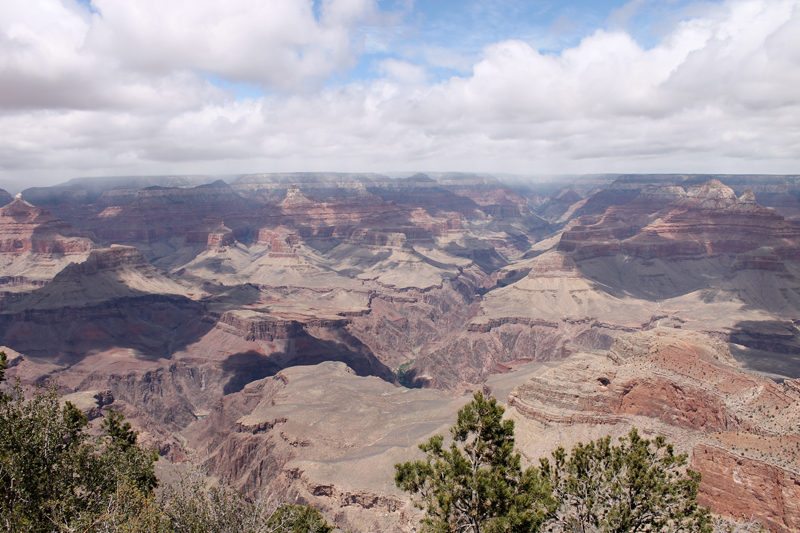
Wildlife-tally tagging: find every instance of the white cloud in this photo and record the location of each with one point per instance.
(402, 72)
(123, 91)
(277, 43)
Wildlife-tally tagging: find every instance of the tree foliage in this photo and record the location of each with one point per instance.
(738, 525)
(52, 473)
(638, 485)
(288, 518)
(55, 478)
(476, 484)
(192, 506)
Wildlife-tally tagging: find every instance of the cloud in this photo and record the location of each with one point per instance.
(279, 44)
(138, 53)
(125, 90)
(402, 72)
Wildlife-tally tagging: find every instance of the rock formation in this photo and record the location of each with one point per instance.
(641, 255)
(34, 245)
(742, 431)
(324, 436)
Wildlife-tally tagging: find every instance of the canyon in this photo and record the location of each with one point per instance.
(298, 334)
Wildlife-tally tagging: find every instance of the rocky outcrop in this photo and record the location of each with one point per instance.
(151, 325)
(323, 436)
(260, 327)
(163, 220)
(106, 274)
(705, 219)
(34, 245)
(112, 299)
(105, 259)
(90, 402)
(739, 429)
(651, 375)
(653, 211)
(274, 342)
(547, 314)
(737, 485)
(27, 228)
(220, 239)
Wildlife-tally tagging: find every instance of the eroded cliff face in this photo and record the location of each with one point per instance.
(324, 436)
(432, 273)
(35, 246)
(642, 255)
(740, 430)
(737, 485)
(453, 266)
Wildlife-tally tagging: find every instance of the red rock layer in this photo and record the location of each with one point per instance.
(664, 222)
(740, 430)
(168, 214)
(737, 485)
(27, 228)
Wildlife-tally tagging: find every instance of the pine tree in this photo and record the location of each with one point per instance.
(52, 474)
(639, 485)
(477, 485)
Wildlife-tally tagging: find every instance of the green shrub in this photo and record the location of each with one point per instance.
(52, 474)
(477, 484)
(55, 479)
(638, 485)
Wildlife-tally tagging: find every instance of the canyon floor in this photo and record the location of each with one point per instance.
(298, 334)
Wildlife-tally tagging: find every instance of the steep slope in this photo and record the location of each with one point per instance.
(167, 350)
(113, 298)
(325, 436)
(161, 221)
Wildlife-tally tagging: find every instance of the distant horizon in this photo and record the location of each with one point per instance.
(500, 176)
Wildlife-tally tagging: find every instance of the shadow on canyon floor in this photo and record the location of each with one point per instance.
(305, 350)
(770, 346)
(156, 326)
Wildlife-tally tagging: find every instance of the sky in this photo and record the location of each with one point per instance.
(135, 87)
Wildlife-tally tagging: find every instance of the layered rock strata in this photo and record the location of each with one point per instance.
(34, 245)
(322, 435)
(740, 430)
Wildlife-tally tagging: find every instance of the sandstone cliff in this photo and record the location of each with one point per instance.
(34, 245)
(741, 430)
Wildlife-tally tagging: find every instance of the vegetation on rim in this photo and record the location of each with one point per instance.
(56, 478)
(478, 486)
